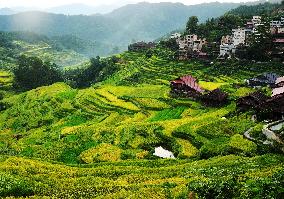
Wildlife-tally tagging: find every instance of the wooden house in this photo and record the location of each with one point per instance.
(279, 81)
(141, 46)
(266, 79)
(215, 98)
(273, 108)
(186, 86)
(252, 101)
(277, 91)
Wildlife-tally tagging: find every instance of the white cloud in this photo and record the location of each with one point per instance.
(51, 3)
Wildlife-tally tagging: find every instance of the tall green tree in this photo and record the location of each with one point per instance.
(191, 25)
(261, 42)
(98, 70)
(32, 72)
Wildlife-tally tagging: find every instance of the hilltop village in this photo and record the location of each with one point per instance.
(192, 47)
(230, 46)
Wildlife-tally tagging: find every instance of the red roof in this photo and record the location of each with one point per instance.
(279, 40)
(189, 81)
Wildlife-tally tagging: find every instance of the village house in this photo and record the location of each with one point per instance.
(256, 21)
(228, 39)
(175, 35)
(266, 79)
(273, 108)
(277, 91)
(186, 86)
(249, 25)
(279, 81)
(277, 23)
(239, 36)
(215, 98)
(266, 107)
(141, 46)
(189, 46)
(251, 101)
(227, 50)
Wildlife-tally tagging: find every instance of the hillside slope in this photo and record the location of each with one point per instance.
(14, 44)
(116, 123)
(143, 21)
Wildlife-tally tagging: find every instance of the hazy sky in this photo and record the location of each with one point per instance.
(51, 3)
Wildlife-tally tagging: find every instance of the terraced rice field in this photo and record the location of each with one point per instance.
(62, 142)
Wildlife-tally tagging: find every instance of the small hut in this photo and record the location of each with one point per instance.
(280, 82)
(215, 98)
(252, 101)
(266, 79)
(273, 108)
(141, 46)
(186, 86)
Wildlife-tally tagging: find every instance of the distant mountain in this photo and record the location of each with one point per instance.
(78, 9)
(115, 30)
(6, 11)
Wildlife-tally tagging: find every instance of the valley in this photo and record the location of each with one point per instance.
(77, 125)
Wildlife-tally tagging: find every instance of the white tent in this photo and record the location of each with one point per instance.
(163, 153)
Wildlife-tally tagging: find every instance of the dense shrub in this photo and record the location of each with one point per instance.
(14, 186)
(31, 72)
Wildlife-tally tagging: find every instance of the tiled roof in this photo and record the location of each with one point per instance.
(279, 80)
(191, 82)
(259, 96)
(277, 91)
(188, 81)
(267, 78)
(279, 41)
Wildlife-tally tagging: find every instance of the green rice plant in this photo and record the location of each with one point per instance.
(102, 152)
(168, 114)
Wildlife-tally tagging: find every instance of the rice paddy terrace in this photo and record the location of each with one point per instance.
(98, 142)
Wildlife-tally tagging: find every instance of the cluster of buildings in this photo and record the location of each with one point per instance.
(190, 46)
(240, 36)
(267, 107)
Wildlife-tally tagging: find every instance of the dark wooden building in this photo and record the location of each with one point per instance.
(279, 81)
(266, 79)
(252, 101)
(273, 108)
(186, 86)
(141, 46)
(215, 98)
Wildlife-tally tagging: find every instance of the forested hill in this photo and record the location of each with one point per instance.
(259, 9)
(143, 21)
(56, 50)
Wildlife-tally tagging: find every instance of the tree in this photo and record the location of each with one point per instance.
(32, 72)
(98, 70)
(191, 26)
(261, 42)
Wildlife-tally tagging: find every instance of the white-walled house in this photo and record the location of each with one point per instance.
(256, 20)
(228, 39)
(227, 50)
(175, 35)
(189, 44)
(277, 23)
(239, 36)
